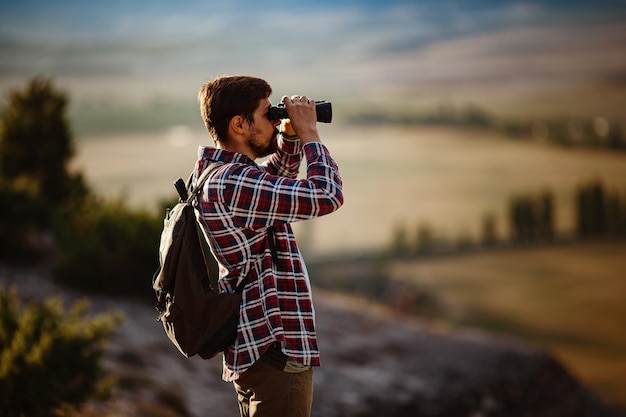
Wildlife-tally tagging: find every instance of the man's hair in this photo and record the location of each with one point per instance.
(227, 97)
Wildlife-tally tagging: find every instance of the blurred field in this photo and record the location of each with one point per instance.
(446, 178)
(569, 299)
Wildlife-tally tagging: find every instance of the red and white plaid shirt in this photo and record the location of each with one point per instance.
(240, 200)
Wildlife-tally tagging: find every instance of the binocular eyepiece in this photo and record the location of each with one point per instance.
(323, 110)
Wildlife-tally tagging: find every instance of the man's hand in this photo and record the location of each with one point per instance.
(302, 119)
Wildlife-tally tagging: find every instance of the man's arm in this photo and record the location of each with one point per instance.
(256, 199)
(286, 161)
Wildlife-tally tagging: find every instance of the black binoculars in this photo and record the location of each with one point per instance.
(323, 109)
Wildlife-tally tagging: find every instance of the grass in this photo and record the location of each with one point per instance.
(567, 298)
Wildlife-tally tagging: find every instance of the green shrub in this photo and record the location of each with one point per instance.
(108, 248)
(50, 359)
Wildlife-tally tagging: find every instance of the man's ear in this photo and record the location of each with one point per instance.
(238, 125)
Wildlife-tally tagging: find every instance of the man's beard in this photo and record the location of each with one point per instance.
(263, 150)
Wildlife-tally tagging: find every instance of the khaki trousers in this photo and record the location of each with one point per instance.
(265, 391)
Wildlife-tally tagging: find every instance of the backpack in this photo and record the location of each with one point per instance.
(195, 316)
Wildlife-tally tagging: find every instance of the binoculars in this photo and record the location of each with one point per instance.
(323, 110)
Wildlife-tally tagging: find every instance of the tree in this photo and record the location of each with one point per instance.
(35, 148)
(50, 361)
(36, 142)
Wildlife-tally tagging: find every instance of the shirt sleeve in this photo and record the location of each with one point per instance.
(257, 198)
(286, 161)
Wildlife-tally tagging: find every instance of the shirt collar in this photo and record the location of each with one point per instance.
(215, 154)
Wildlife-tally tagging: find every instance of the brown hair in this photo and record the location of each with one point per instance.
(227, 97)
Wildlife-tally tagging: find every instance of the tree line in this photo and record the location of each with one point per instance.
(600, 213)
(589, 132)
(531, 217)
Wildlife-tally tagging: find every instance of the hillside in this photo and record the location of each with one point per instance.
(566, 298)
(375, 363)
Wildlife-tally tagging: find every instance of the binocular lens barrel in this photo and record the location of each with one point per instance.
(323, 110)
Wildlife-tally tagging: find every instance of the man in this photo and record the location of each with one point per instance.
(245, 210)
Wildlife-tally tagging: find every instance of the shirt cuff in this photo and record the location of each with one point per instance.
(291, 147)
(289, 138)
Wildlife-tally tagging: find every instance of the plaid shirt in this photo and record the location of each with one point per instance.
(239, 202)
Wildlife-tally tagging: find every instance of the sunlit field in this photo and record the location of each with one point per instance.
(393, 177)
(569, 299)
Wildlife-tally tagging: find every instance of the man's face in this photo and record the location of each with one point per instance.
(263, 137)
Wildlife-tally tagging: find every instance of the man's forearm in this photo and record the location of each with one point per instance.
(286, 161)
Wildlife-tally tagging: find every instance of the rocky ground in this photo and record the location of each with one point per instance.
(375, 363)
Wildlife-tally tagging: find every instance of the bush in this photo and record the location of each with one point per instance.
(50, 360)
(22, 215)
(108, 248)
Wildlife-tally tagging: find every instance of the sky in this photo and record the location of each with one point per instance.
(124, 52)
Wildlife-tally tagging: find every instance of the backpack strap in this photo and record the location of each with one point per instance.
(195, 189)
